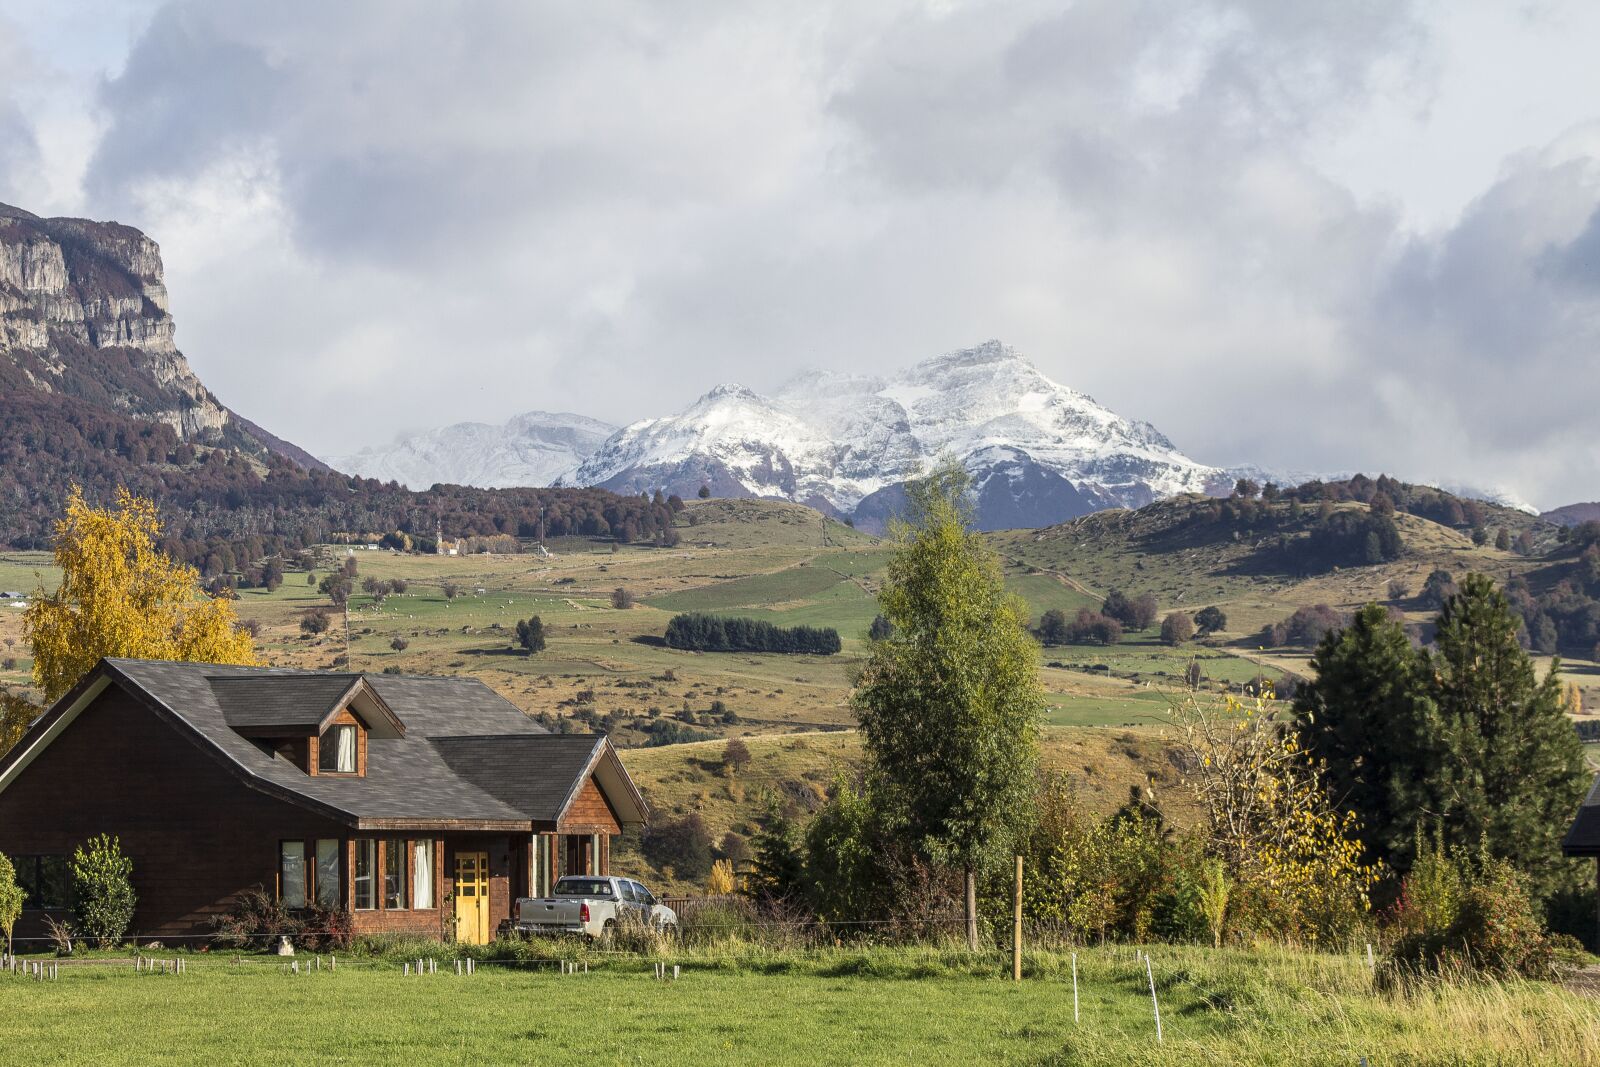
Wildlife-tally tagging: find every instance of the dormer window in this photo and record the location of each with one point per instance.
(336, 753)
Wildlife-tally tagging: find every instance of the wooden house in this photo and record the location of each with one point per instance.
(417, 804)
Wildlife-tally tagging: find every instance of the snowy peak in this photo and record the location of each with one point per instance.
(531, 449)
(845, 442)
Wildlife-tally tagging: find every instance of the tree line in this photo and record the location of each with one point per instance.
(699, 632)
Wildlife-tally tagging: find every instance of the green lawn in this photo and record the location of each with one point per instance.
(836, 1006)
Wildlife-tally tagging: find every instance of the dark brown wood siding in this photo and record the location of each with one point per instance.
(590, 813)
(197, 835)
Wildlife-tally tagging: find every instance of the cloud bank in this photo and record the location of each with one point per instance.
(388, 215)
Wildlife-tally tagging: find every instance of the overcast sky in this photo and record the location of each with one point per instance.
(1341, 235)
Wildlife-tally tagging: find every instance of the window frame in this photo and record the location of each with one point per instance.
(319, 893)
(365, 847)
(396, 874)
(284, 847)
(30, 883)
(328, 743)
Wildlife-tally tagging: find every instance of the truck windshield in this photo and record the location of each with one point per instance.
(583, 887)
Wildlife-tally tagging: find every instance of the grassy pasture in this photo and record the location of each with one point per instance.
(738, 1005)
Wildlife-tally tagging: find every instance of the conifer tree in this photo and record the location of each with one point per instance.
(1512, 771)
(950, 701)
(1368, 716)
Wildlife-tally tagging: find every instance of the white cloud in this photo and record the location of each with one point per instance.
(377, 216)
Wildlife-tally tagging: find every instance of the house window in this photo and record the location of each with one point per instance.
(43, 880)
(292, 873)
(366, 870)
(328, 873)
(336, 753)
(543, 864)
(394, 875)
(422, 868)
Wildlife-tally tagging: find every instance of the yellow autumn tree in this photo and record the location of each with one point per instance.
(120, 596)
(16, 715)
(1288, 856)
(721, 881)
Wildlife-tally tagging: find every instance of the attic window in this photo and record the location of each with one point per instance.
(336, 754)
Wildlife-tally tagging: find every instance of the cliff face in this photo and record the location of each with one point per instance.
(83, 314)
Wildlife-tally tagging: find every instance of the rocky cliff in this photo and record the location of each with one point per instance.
(83, 315)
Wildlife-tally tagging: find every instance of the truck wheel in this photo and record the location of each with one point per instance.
(608, 933)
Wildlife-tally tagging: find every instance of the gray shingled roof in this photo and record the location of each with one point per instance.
(1583, 836)
(253, 702)
(467, 754)
(501, 767)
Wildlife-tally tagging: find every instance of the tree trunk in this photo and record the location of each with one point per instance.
(972, 909)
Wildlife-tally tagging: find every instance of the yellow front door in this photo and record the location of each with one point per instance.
(472, 897)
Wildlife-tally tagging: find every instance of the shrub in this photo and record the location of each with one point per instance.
(11, 896)
(720, 881)
(315, 621)
(1210, 620)
(399, 644)
(684, 844)
(102, 890)
(255, 919)
(1463, 912)
(327, 929)
(621, 598)
(1176, 628)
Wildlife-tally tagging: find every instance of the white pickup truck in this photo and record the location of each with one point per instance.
(594, 906)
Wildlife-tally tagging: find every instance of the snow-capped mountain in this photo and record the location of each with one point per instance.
(1039, 452)
(532, 449)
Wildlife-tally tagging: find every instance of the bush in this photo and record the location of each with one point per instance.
(102, 890)
(256, 919)
(1461, 912)
(621, 598)
(684, 844)
(315, 621)
(327, 930)
(399, 644)
(1176, 628)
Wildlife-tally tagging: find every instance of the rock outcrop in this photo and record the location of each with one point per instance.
(83, 313)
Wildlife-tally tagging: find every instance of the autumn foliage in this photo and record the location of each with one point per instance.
(120, 596)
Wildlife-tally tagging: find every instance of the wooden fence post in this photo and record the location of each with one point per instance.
(1016, 932)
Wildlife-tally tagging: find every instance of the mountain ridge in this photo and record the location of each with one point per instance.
(846, 443)
(531, 449)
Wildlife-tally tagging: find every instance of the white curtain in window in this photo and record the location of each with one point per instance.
(347, 750)
(422, 889)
